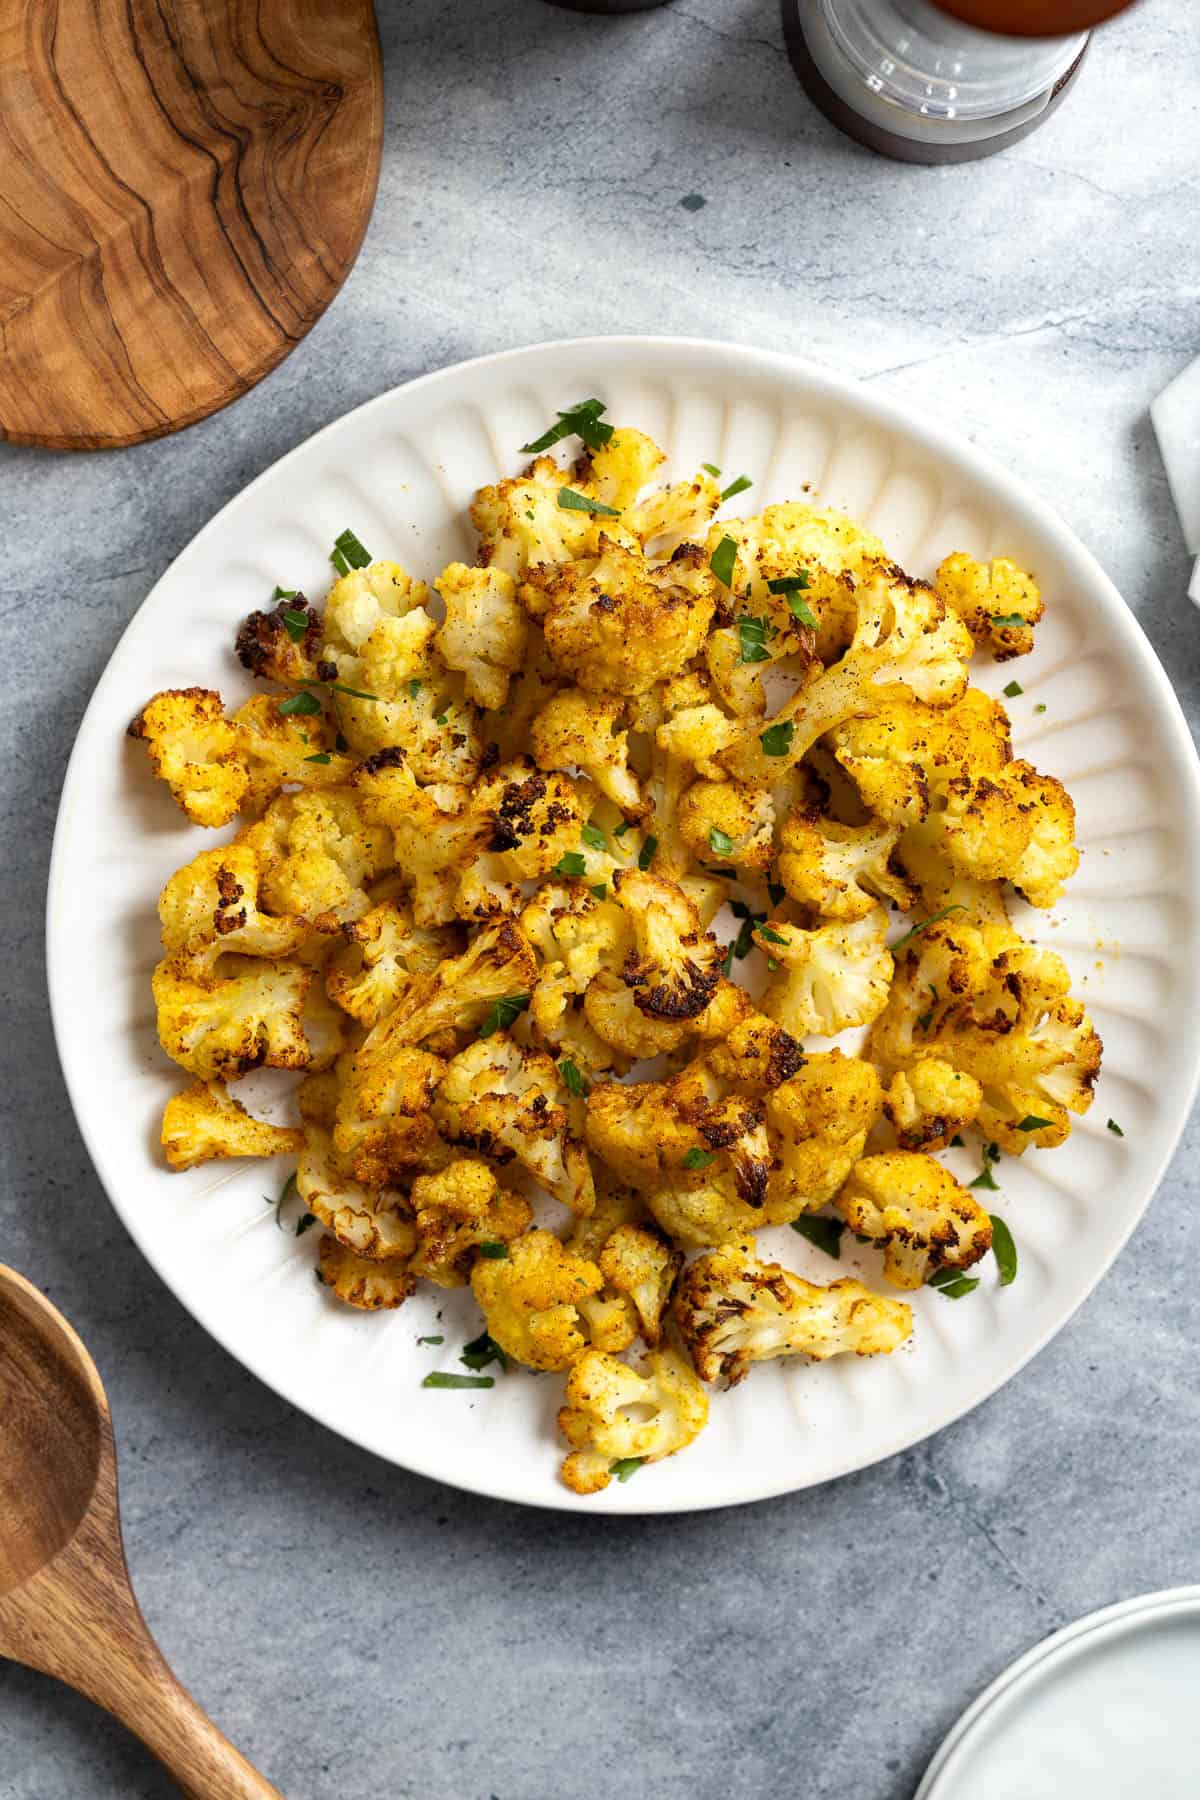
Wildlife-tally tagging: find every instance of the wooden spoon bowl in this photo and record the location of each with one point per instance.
(66, 1603)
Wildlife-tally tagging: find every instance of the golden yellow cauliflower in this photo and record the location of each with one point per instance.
(485, 631)
(930, 1103)
(371, 1286)
(457, 1209)
(531, 1300)
(615, 1415)
(193, 748)
(923, 1217)
(998, 602)
(204, 1121)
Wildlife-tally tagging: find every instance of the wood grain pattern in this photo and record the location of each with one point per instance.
(66, 1603)
(185, 187)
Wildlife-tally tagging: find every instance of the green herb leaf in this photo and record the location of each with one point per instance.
(985, 1179)
(339, 687)
(621, 829)
(431, 1340)
(483, 1350)
(414, 688)
(440, 1379)
(1013, 688)
(957, 1142)
(299, 703)
(752, 637)
(1115, 1128)
(348, 553)
(297, 624)
(720, 841)
(594, 838)
(736, 487)
(1040, 707)
(599, 891)
(722, 560)
(440, 718)
(570, 501)
(573, 1081)
(284, 593)
(925, 1020)
(776, 894)
(787, 584)
(776, 740)
(1004, 1249)
(493, 1251)
(924, 925)
(647, 853)
(771, 935)
(340, 743)
(581, 421)
(573, 863)
(698, 1159)
(1031, 1122)
(285, 1194)
(801, 611)
(952, 1285)
(321, 1281)
(503, 1013)
(322, 756)
(1008, 619)
(305, 1223)
(826, 1234)
(625, 1467)
(710, 469)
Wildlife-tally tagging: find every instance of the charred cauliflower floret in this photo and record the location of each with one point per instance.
(316, 854)
(282, 645)
(930, 1103)
(523, 526)
(673, 967)
(492, 977)
(205, 1121)
(997, 602)
(485, 632)
(368, 1284)
(384, 1122)
(818, 1122)
(618, 625)
(381, 954)
(530, 822)
(1049, 858)
(531, 1300)
(457, 1209)
(194, 748)
(732, 1310)
(922, 1216)
(506, 1102)
(841, 871)
(210, 908)
(576, 730)
(614, 1413)
(246, 1014)
(373, 1222)
(900, 752)
(828, 979)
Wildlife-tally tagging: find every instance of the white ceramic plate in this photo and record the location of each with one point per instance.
(400, 472)
(1105, 1709)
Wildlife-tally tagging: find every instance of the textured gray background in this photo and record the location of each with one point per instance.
(362, 1632)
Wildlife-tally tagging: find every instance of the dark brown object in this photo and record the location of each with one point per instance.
(66, 1604)
(186, 185)
(1033, 18)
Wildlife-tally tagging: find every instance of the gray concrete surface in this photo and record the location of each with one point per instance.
(362, 1632)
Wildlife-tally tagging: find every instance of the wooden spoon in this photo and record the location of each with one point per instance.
(66, 1603)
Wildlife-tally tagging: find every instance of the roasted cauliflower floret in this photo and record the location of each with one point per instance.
(209, 908)
(196, 750)
(282, 645)
(384, 1121)
(457, 1209)
(531, 1300)
(838, 870)
(616, 471)
(641, 1265)
(818, 1121)
(697, 735)
(728, 823)
(370, 1285)
(922, 1216)
(531, 821)
(618, 625)
(997, 602)
(373, 1222)
(381, 954)
(900, 752)
(1049, 858)
(673, 967)
(246, 1014)
(828, 979)
(316, 854)
(930, 1103)
(282, 749)
(587, 732)
(507, 1102)
(614, 1414)
(494, 976)
(732, 1310)
(485, 632)
(205, 1121)
(434, 831)
(675, 515)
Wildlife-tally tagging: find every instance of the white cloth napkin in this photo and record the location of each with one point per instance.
(1176, 417)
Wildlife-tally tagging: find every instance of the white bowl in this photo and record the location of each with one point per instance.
(400, 471)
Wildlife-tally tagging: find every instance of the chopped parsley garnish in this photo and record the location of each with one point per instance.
(573, 1081)
(570, 501)
(440, 718)
(285, 1194)
(1040, 707)
(722, 560)
(775, 893)
(710, 469)
(1031, 1122)
(743, 944)
(801, 611)
(826, 1234)
(776, 740)
(925, 1020)
(321, 756)
(284, 593)
(752, 636)
(582, 421)
(924, 925)
(1004, 1250)
(1004, 620)
(647, 853)
(953, 1285)
(625, 1467)
(305, 1222)
(720, 841)
(985, 1178)
(414, 688)
(621, 829)
(600, 891)
(503, 1013)
(303, 703)
(348, 553)
(340, 742)
(957, 1142)
(493, 1250)
(297, 623)
(1013, 688)
(698, 1159)
(573, 863)
(481, 1351)
(786, 584)
(771, 935)
(594, 838)
(736, 487)
(431, 1340)
(440, 1379)
(321, 1281)
(791, 587)
(1115, 1128)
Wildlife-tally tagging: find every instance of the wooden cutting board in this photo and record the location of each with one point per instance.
(184, 185)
